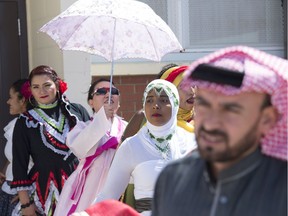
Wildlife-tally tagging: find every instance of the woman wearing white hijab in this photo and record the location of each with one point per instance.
(144, 155)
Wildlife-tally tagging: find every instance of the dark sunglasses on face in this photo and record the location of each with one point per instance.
(104, 91)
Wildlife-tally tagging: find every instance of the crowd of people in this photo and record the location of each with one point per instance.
(210, 139)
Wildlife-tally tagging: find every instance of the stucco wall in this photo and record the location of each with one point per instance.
(73, 67)
(42, 50)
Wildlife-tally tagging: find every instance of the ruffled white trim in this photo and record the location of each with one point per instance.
(8, 130)
(42, 123)
(26, 188)
(49, 128)
(8, 147)
(52, 191)
(7, 189)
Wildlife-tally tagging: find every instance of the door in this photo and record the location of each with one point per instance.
(13, 57)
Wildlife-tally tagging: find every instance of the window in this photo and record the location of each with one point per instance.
(209, 24)
(203, 26)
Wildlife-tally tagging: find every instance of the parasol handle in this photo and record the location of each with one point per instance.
(111, 80)
(112, 63)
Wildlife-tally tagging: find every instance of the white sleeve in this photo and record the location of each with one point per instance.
(84, 136)
(118, 175)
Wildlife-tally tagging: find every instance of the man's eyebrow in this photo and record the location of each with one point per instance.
(200, 98)
(223, 104)
(232, 105)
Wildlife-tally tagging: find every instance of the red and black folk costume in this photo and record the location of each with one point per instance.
(41, 134)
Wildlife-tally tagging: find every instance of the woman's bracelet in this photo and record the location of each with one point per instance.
(27, 204)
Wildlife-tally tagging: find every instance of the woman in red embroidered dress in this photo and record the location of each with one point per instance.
(41, 133)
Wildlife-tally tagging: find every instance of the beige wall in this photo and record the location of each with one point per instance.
(137, 68)
(73, 67)
(42, 50)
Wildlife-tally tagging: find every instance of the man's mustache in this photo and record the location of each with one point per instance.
(213, 132)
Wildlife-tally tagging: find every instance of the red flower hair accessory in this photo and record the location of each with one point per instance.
(62, 86)
(25, 90)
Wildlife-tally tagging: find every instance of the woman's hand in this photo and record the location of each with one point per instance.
(28, 207)
(29, 211)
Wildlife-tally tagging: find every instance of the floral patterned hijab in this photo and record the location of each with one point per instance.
(170, 89)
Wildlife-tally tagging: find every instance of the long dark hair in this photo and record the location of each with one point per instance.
(17, 87)
(164, 69)
(45, 70)
(62, 100)
(92, 86)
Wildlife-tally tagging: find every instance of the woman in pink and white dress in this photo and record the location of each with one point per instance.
(94, 143)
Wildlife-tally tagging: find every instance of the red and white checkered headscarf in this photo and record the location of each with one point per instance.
(264, 73)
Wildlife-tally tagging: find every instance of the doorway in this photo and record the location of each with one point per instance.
(13, 57)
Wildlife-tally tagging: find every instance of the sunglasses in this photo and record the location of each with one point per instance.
(104, 91)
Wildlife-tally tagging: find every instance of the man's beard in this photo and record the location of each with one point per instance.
(230, 153)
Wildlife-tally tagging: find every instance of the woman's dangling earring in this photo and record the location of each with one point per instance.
(31, 99)
(58, 95)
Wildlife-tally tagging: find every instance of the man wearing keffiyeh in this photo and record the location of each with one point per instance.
(240, 167)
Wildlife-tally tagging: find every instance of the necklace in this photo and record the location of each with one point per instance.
(163, 150)
(50, 121)
(48, 106)
(162, 144)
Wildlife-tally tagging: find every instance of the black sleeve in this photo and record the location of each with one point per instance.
(79, 111)
(21, 154)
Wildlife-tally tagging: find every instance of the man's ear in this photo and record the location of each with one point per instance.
(269, 119)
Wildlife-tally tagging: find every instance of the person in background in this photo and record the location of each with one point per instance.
(40, 133)
(174, 74)
(17, 105)
(240, 167)
(94, 143)
(134, 124)
(157, 143)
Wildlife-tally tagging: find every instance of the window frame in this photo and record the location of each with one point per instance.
(180, 10)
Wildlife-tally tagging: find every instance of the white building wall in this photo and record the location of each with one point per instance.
(73, 67)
